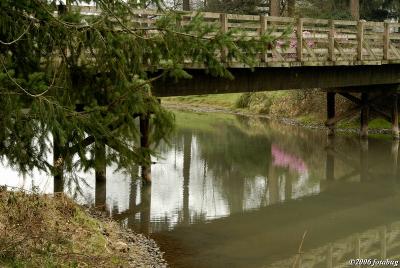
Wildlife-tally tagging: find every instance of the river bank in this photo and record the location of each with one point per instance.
(53, 231)
(304, 109)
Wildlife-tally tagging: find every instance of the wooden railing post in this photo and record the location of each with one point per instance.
(386, 41)
(299, 39)
(360, 39)
(224, 28)
(263, 30)
(331, 41)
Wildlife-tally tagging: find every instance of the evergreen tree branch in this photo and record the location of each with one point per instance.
(19, 38)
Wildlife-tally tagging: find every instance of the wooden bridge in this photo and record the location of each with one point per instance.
(298, 41)
(336, 55)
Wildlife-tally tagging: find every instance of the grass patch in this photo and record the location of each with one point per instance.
(216, 100)
(203, 122)
(379, 123)
(45, 231)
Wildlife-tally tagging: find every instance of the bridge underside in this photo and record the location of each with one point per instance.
(281, 78)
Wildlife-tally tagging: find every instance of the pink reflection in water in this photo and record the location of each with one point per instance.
(284, 159)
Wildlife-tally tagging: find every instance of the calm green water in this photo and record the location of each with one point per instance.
(237, 192)
(232, 191)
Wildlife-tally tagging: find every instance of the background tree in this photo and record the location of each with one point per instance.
(234, 6)
(379, 10)
(84, 79)
(375, 10)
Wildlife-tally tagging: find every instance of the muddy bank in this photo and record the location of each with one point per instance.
(52, 231)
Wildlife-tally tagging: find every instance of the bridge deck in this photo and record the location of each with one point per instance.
(298, 42)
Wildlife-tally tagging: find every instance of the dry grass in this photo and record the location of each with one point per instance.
(46, 231)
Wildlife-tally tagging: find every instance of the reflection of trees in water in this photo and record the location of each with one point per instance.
(232, 156)
(229, 150)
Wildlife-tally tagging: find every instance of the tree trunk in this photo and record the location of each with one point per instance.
(274, 8)
(291, 8)
(355, 9)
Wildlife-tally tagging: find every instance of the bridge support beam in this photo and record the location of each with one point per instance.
(364, 115)
(145, 146)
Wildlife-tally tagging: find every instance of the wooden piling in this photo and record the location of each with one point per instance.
(145, 145)
(395, 117)
(364, 116)
(331, 111)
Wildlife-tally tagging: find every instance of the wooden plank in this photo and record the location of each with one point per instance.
(316, 29)
(206, 15)
(243, 25)
(315, 21)
(370, 51)
(373, 24)
(309, 50)
(395, 51)
(281, 19)
(345, 22)
(373, 36)
(276, 53)
(243, 17)
(316, 36)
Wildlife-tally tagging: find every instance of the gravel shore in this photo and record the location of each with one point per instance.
(139, 250)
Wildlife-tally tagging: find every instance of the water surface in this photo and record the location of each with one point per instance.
(232, 191)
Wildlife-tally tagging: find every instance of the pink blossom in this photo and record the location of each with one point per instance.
(286, 160)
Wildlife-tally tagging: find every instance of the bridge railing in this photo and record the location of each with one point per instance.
(310, 42)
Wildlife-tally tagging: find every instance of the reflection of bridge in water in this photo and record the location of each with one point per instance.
(380, 243)
(343, 205)
(335, 193)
